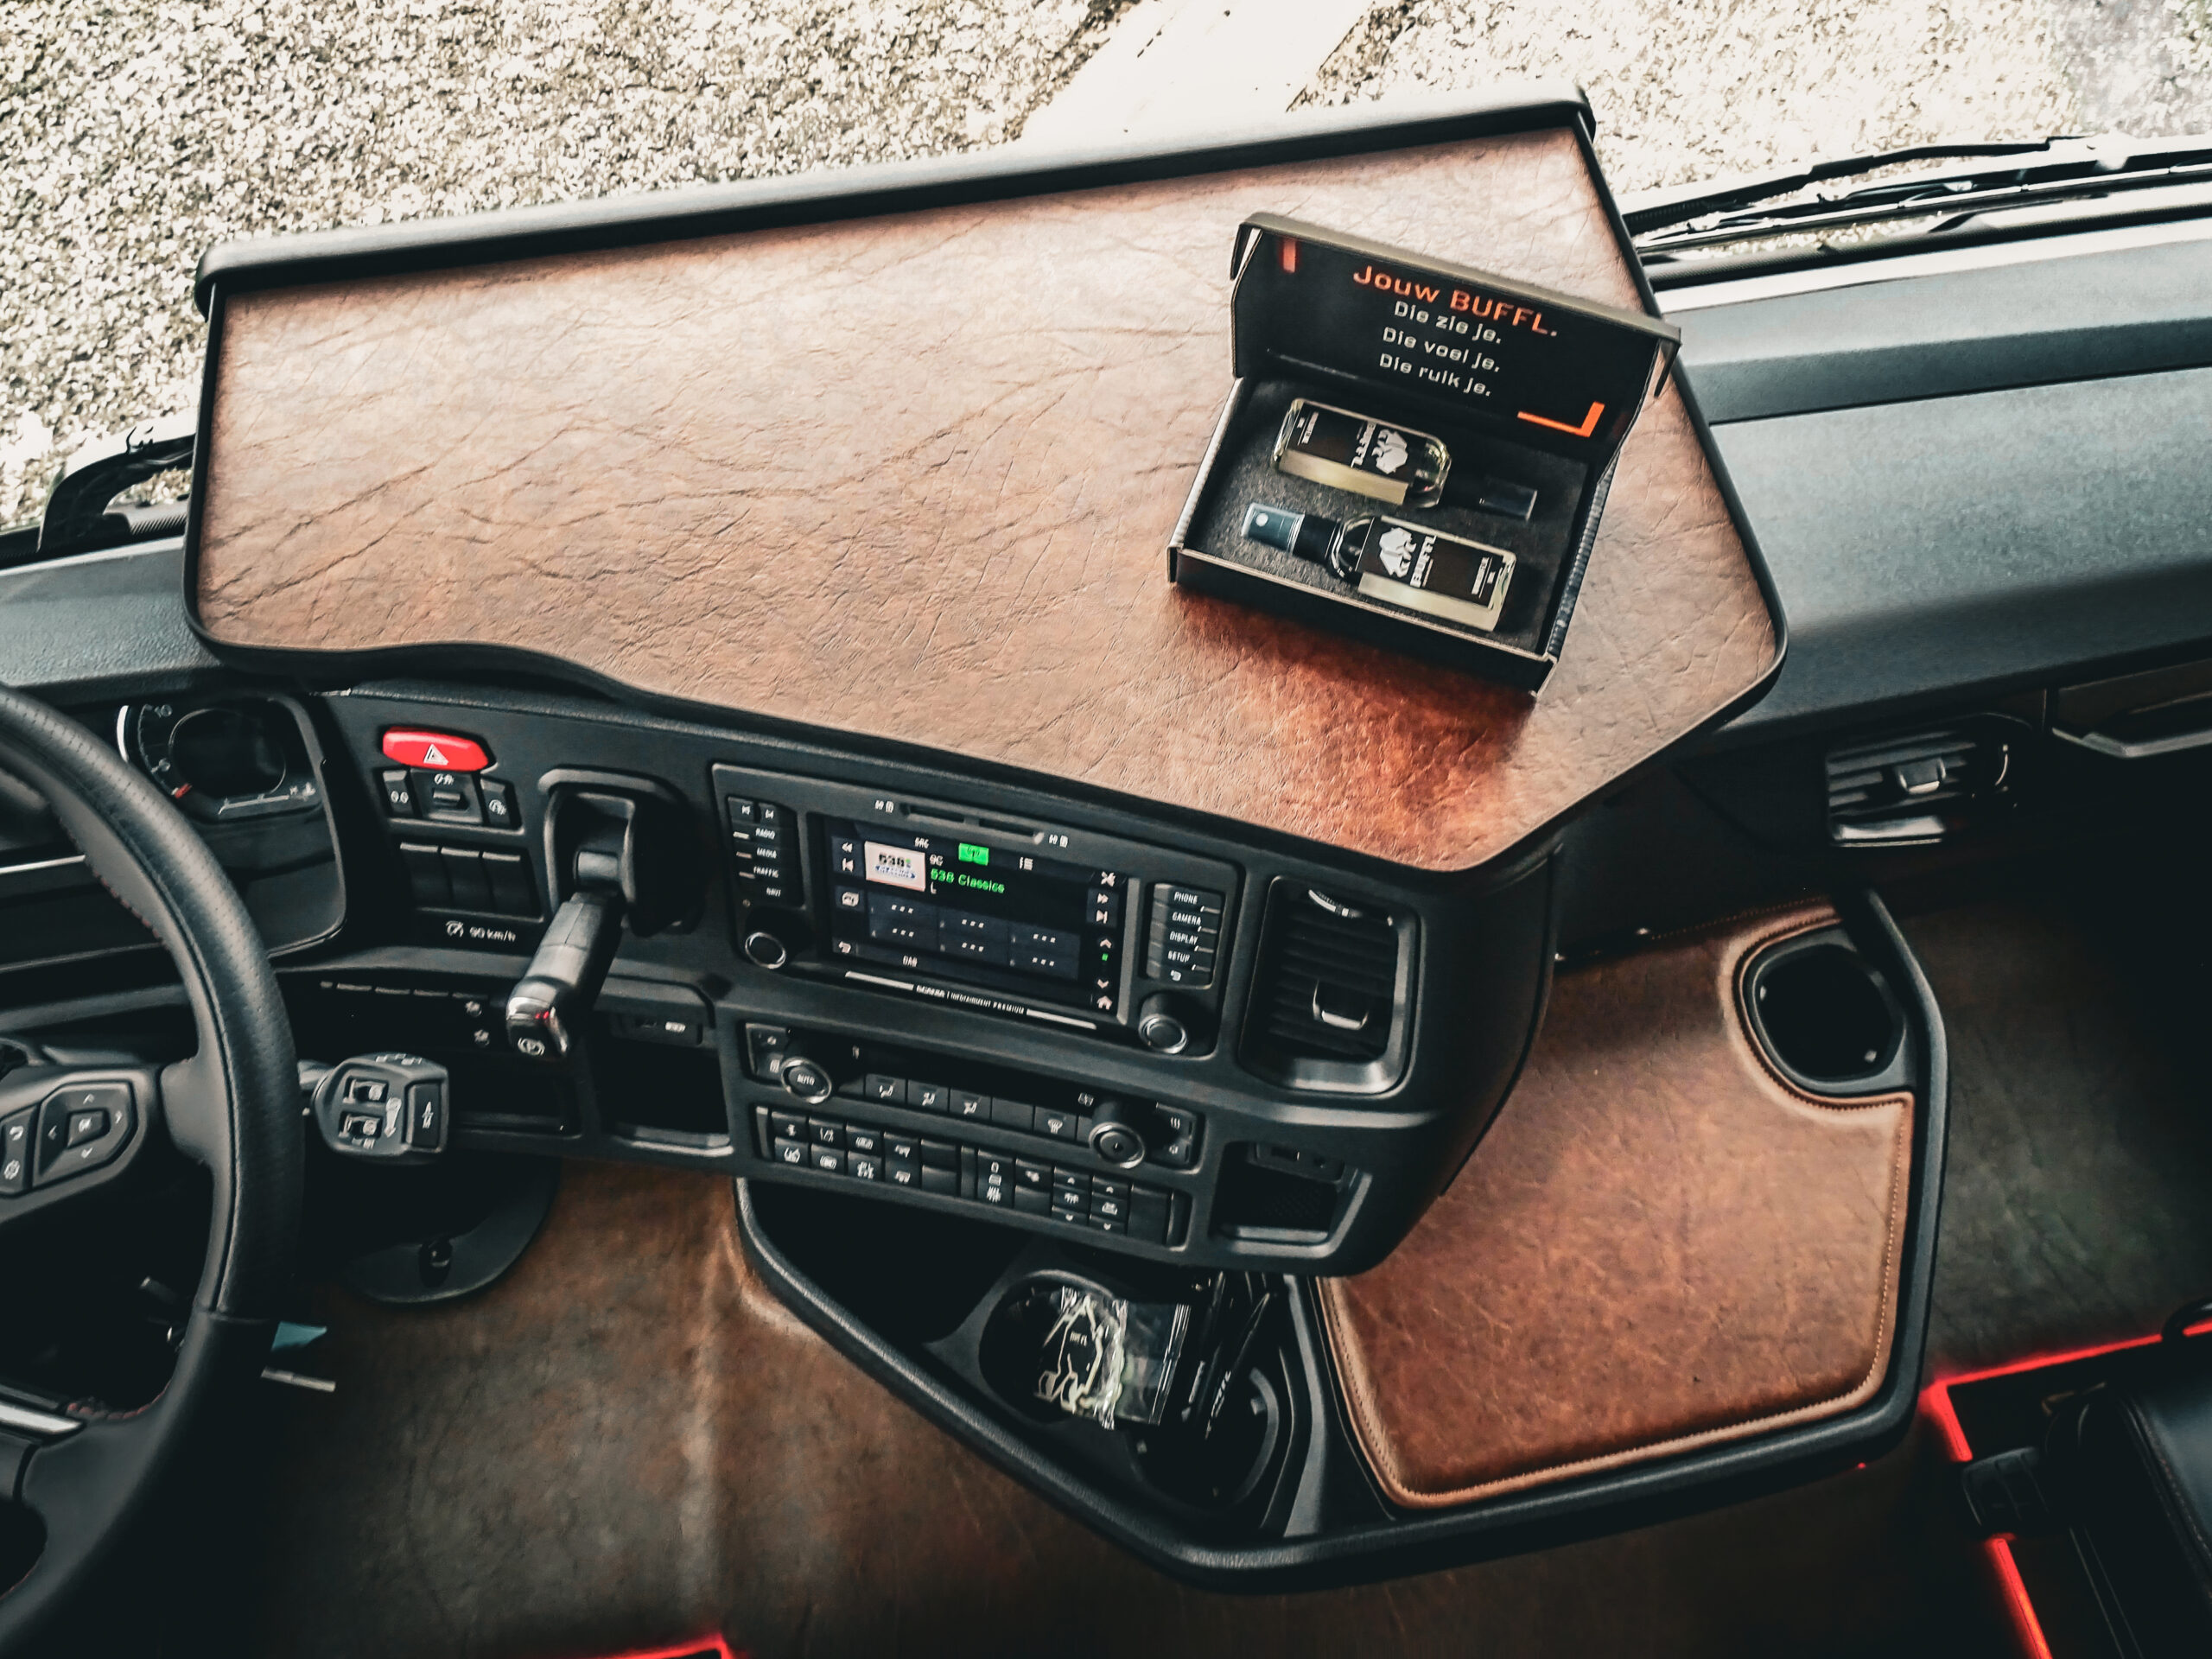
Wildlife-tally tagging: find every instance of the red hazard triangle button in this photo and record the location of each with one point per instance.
(441, 751)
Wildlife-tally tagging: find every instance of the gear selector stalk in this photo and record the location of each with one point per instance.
(618, 850)
(564, 975)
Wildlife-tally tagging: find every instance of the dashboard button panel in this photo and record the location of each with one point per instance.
(764, 851)
(1185, 935)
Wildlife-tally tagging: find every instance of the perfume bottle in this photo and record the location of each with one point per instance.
(1395, 562)
(1347, 450)
(1386, 462)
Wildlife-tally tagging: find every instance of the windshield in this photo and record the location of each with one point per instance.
(134, 140)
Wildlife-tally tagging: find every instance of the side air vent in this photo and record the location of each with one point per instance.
(1918, 787)
(1330, 998)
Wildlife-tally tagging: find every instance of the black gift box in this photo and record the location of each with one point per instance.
(1530, 390)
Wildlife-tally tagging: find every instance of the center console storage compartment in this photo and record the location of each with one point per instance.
(1213, 1435)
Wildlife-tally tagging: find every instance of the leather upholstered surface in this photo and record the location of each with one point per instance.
(913, 477)
(1659, 1245)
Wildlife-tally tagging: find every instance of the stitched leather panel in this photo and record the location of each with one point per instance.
(914, 476)
(1659, 1245)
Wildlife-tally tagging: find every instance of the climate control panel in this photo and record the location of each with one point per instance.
(1070, 1195)
(1010, 1141)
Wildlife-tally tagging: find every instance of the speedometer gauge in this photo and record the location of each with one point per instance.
(241, 758)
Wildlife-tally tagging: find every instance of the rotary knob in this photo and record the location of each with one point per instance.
(808, 1079)
(1162, 1027)
(1115, 1135)
(764, 949)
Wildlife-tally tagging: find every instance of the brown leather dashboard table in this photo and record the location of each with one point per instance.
(911, 475)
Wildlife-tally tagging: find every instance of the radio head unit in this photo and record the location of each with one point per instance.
(1064, 925)
(1038, 928)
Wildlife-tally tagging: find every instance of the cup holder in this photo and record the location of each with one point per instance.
(1219, 1472)
(1826, 1017)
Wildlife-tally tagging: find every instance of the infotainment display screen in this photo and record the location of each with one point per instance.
(989, 916)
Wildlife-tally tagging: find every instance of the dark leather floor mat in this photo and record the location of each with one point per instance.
(628, 1442)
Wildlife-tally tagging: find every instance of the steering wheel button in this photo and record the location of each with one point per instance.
(16, 1154)
(441, 751)
(80, 1128)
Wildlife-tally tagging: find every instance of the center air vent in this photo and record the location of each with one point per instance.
(1916, 787)
(1329, 999)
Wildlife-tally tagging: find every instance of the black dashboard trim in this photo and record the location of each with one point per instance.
(1953, 548)
(2073, 317)
(1485, 938)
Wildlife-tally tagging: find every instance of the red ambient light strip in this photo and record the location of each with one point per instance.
(707, 1647)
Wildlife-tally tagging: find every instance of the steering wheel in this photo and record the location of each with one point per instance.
(232, 1106)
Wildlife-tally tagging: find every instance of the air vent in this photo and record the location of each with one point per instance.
(1326, 972)
(1916, 788)
(1328, 997)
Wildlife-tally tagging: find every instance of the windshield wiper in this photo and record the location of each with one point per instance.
(1663, 222)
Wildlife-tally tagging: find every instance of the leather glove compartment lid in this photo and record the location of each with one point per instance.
(1660, 1246)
